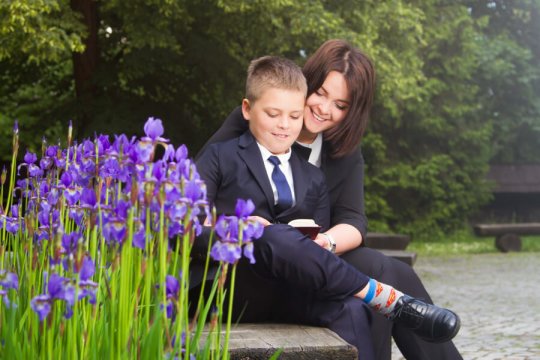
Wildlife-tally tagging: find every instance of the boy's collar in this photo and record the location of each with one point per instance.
(266, 154)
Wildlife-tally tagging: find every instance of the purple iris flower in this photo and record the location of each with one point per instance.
(169, 153)
(252, 230)
(45, 163)
(87, 269)
(226, 252)
(41, 304)
(88, 198)
(52, 197)
(55, 286)
(12, 225)
(244, 208)
(181, 153)
(72, 195)
(153, 128)
(172, 191)
(51, 151)
(5, 299)
(175, 229)
(195, 190)
(88, 148)
(77, 215)
(44, 213)
(142, 152)
(248, 252)
(103, 144)
(34, 171)
(70, 241)
(114, 231)
(139, 238)
(88, 289)
(172, 287)
(60, 161)
(15, 210)
(9, 280)
(177, 211)
(30, 157)
(110, 168)
(43, 188)
(122, 208)
(227, 228)
(66, 179)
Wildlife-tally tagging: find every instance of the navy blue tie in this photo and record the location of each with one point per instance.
(285, 199)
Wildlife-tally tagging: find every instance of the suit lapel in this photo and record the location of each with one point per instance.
(251, 155)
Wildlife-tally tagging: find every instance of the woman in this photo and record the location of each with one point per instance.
(341, 84)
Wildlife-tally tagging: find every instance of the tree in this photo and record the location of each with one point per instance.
(110, 65)
(509, 76)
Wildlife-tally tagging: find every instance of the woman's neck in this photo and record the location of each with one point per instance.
(306, 137)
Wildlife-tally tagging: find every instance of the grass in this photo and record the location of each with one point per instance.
(465, 242)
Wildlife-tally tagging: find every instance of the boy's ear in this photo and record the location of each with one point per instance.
(246, 107)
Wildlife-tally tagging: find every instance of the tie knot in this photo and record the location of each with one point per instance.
(274, 160)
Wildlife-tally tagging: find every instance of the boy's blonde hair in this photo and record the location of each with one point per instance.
(273, 72)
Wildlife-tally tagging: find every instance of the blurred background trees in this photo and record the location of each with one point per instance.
(458, 82)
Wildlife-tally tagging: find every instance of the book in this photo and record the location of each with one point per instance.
(306, 226)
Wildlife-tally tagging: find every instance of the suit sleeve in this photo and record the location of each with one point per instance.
(208, 169)
(322, 212)
(348, 198)
(233, 126)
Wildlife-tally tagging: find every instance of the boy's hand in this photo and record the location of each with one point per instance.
(259, 219)
(322, 241)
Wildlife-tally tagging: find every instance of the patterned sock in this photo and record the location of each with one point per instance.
(381, 297)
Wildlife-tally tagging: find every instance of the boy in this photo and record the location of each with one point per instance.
(294, 279)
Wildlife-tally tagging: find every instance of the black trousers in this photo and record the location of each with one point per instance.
(296, 281)
(400, 275)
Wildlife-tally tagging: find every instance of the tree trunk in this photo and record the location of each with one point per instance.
(85, 63)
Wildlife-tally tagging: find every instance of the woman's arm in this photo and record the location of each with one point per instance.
(345, 179)
(347, 237)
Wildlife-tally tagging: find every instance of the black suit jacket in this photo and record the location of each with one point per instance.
(344, 175)
(235, 169)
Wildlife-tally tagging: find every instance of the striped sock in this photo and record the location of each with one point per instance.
(381, 297)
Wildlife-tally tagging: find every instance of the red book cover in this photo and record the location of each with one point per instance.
(306, 226)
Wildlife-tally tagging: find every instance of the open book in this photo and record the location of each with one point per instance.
(306, 226)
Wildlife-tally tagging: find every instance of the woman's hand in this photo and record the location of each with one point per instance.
(260, 220)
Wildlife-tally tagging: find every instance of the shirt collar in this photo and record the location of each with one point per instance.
(284, 158)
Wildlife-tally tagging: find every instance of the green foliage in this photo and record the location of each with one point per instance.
(458, 83)
(37, 31)
(509, 77)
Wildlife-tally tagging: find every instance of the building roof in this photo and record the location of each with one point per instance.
(515, 178)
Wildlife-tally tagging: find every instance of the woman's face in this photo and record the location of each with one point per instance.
(328, 105)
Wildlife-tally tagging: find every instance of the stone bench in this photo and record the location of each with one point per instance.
(507, 235)
(261, 341)
(392, 245)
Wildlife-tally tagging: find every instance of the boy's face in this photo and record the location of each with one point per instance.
(276, 118)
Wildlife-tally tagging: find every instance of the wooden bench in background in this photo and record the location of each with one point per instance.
(507, 235)
(392, 245)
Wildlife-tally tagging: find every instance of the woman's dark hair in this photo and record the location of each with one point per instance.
(356, 67)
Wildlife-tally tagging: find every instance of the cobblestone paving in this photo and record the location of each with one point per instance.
(497, 297)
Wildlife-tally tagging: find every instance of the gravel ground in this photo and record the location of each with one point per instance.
(497, 297)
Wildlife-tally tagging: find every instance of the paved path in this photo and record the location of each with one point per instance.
(497, 297)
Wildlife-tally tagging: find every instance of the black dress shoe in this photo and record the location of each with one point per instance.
(430, 322)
